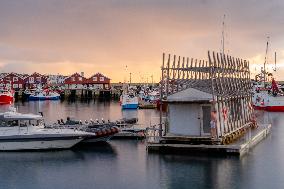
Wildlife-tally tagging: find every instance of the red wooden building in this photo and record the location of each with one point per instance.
(99, 80)
(75, 81)
(32, 81)
(13, 81)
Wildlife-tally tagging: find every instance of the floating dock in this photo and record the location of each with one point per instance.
(131, 133)
(239, 147)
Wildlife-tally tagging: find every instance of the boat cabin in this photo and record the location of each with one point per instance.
(13, 119)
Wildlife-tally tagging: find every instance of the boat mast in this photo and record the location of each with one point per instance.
(223, 35)
(275, 61)
(265, 60)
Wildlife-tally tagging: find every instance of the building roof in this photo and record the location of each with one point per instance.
(190, 95)
(100, 74)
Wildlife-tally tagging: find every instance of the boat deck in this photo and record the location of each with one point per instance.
(239, 147)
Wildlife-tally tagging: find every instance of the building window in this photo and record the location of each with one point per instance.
(15, 79)
(31, 80)
(95, 79)
(38, 79)
(15, 86)
(102, 78)
(72, 78)
(80, 78)
(20, 86)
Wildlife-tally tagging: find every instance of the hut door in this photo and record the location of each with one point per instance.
(205, 119)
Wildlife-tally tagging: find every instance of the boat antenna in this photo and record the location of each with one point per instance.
(223, 35)
(265, 60)
(274, 61)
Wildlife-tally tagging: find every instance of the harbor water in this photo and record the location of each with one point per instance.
(125, 164)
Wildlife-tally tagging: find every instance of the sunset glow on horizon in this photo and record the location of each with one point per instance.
(129, 36)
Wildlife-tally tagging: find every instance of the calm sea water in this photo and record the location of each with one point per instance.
(126, 164)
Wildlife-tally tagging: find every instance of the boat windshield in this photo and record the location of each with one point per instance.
(21, 123)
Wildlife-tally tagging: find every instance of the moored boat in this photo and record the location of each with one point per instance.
(44, 95)
(268, 99)
(6, 97)
(26, 132)
(267, 96)
(129, 101)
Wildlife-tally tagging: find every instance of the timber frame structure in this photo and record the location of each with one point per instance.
(225, 77)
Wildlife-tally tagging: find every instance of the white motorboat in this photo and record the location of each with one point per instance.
(26, 132)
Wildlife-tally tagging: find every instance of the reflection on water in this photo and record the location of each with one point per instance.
(110, 110)
(126, 164)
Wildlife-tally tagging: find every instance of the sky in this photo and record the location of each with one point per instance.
(118, 37)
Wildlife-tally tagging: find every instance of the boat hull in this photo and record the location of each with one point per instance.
(6, 99)
(267, 102)
(44, 97)
(270, 108)
(18, 144)
(129, 106)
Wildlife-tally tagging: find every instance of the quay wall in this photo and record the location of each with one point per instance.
(83, 94)
(114, 92)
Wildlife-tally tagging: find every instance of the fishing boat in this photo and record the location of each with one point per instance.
(44, 95)
(129, 101)
(267, 95)
(6, 97)
(268, 98)
(27, 132)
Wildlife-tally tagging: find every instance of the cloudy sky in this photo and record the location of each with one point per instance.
(67, 36)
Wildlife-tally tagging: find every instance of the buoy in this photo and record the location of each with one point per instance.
(104, 132)
(113, 130)
(108, 131)
(117, 130)
(99, 133)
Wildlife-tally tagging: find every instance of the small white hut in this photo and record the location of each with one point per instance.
(189, 113)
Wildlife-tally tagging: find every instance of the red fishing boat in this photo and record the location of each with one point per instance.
(6, 97)
(267, 96)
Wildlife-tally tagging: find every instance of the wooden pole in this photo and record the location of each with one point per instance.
(161, 98)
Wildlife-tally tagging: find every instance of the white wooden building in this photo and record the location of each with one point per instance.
(189, 113)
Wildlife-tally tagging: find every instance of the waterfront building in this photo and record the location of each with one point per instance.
(12, 81)
(75, 81)
(35, 80)
(56, 80)
(98, 81)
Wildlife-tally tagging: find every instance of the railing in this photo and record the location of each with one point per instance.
(153, 132)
